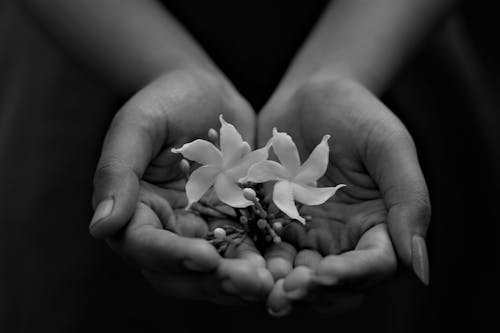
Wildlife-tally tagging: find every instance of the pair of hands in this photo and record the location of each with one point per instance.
(348, 243)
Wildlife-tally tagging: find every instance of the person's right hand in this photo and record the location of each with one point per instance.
(138, 181)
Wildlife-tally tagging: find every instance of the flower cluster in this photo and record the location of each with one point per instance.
(233, 170)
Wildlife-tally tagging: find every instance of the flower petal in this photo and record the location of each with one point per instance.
(265, 171)
(231, 143)
(313, 196)
(229, 192)
(316, 164)
(286, 150)
(240, 169)
(283, 198)
(200, 151)
(200, 181)
(244, 151)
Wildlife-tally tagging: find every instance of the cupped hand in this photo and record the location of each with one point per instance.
(168, 244)
(346, 245)
(138, 183)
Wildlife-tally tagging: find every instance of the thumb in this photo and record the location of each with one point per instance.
(116, 189)
(402, 183)
(128, 148)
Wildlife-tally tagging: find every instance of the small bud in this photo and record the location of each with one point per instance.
(261, 224)
(308, 217)
(184, 166)
(277, 239)
(249, 194)
(243, 219)
(219, 233)
(277, 226)
(213, 135)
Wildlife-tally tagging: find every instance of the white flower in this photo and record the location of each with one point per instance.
(221, 168)
(295, 182)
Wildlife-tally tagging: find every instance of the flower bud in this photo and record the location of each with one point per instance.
(184, 166)
(213, 135)
(243, 219)
(277, 239)
(261, 224)
(249, 194)
(219, 233)
(277, 226)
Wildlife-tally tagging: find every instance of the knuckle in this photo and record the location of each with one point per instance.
(418, 210)
(110, 169)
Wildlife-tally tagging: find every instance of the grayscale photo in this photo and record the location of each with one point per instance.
(249, 166)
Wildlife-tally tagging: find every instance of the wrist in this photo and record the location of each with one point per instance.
(202, 72)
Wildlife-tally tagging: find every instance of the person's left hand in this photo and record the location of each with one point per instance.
(346, 245)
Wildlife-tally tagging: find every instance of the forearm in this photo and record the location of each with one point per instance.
(128, 42)
(364, 40)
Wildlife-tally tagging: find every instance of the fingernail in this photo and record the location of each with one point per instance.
(102, 211)
(296, 294)
(419, 259)
(280, 313)
(266, 279)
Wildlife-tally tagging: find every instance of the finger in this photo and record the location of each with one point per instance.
(183, 222)
(308, 258)
(132, 139)
(257, 281)
(372, 260)
(296, 283)
(241, 277)
(244, 247)
(246, 250)
(400, 179)
(279, 258)
(278, 304)
(192, 286)
(260, 282)
(146, 244)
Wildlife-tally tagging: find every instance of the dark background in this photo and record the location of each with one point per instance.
(54, 113)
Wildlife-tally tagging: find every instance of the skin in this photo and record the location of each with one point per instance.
(331, 86)
(347, 241)
(138, 170)
(178, 93)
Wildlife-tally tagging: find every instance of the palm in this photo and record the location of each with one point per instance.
(183, 109)
(137, 159)
(338, 224)
(358, 129)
